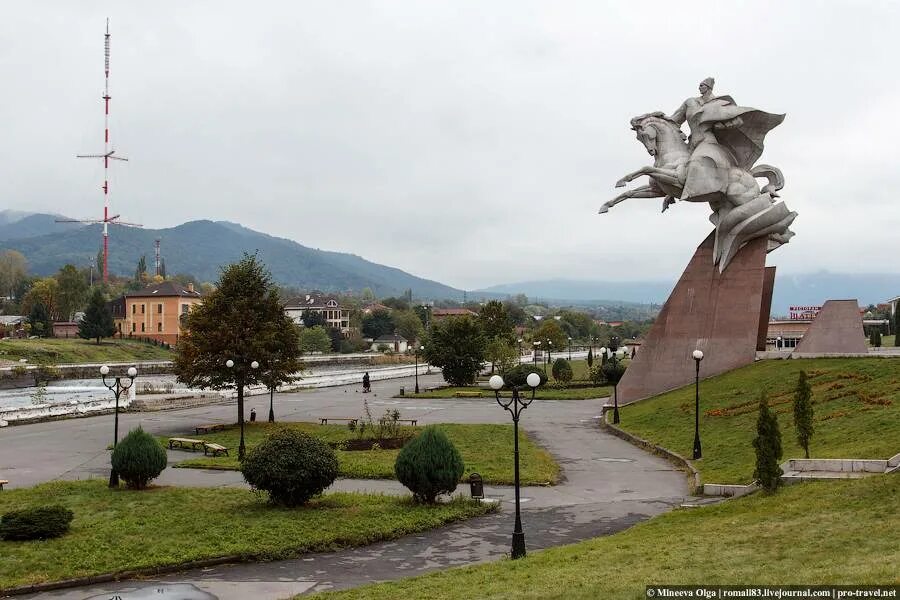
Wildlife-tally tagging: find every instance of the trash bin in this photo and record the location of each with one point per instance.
(477, 486)
(402, 391)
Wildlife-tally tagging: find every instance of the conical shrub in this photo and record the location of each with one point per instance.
(768, 448)
(429, 465)
(138, 458)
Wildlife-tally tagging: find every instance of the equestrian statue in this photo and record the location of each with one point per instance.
(716, 164)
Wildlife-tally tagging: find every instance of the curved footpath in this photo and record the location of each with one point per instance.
(608, 486)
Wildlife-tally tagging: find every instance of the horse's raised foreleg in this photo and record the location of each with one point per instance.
(669, 176)
(645, 191)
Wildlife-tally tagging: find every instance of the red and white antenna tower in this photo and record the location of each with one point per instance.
(106, 156)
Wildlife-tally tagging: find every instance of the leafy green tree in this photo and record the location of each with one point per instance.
(803, 412)
(315, 339)
(98, 320)
(408, 325)
(162, 267)
(140, 273)
(43, 291)
(457, 346)
(517, 315)
(13, 269)
(313, 318)
(378, 323)
(502, 354)
(72, 291)
(396, 303)
(242, 320)
(495, 322)
(549, 329)
(40, 321)
(767, 445)
(562, 370)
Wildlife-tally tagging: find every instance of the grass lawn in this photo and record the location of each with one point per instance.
(815, 533)
(856, 403)
(120, 530)
(72, 350)
(544, 393)
(486, 449)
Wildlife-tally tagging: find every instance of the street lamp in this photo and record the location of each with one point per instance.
(698, 453)
(614, 353)
(547, 357)
(537, 346)
(239, 377)
(778, 343)
(515, 405)
(417, 366)
(116, 388)
(570, 349)
(520, 349)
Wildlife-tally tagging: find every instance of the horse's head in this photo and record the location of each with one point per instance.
(656, 129)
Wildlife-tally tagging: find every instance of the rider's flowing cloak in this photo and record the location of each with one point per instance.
(746, 139)
(740, 134)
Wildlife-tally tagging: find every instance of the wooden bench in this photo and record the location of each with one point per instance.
(184, 443)
(209, 428)
(324, 420)
(215, 449)
(468, 394)
(2, 483)
(410, 421)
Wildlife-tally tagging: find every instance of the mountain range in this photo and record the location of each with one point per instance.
(200, 248)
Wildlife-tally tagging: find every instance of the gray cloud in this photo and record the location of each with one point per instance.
(469, 142)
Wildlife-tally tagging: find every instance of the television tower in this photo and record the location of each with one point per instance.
(106, 156)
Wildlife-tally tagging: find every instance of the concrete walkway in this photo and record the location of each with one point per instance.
(609, 485)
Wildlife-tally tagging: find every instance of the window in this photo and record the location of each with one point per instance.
(133, 326)
(133, 308)
(159, 309)
(143, 306)
(185, 308)
(159, 326)
(142, 328)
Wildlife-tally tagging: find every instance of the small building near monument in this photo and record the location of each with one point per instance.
(394, 342)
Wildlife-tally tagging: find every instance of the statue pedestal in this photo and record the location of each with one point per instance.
(722, 314)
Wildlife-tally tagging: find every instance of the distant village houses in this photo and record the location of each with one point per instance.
(335, 316)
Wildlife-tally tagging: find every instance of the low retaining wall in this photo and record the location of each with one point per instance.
(45, 412)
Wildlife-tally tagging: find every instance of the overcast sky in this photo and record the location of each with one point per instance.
(467, 142)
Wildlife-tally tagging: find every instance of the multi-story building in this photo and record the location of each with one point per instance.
(154, 312)
(316, 302)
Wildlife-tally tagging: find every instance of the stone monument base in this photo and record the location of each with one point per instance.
(837, 329)
(721, 314)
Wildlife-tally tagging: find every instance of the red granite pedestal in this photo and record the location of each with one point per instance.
(721, 314)
(837, 329)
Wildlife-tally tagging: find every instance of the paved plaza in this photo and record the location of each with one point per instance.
(607, 485)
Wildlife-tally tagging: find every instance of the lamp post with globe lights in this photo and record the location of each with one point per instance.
(417, 366)
(117, 387)
(614, 354)
(515, 405)
(239, 383)
(698, 452)
(570, 349)
(537, 347)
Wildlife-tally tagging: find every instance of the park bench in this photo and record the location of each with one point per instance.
(410, 421)
(467, 394)
(324, 420)
(185, 443)
(209, 428)
(2, 483)
(215, 449)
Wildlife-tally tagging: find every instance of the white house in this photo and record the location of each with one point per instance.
(394, 341)
(327, 306)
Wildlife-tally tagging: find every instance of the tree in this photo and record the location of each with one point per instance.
(39, 319)
(502, 354)
(315, 339)
(768, 448)
(803, 412)
(367, 295)
(43, 291)
(495, 322)
(162, 267)
(457, 346)
(550, 330)
(408, 325)
(242, 321)
(378, 323)
(72, 291)
(98, 320)
(140, 273)
(13, 269)
(562, 370)
(590, 357)
(517, 315)
(313, 318)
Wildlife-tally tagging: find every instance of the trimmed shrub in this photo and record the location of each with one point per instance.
(138, 458)
(40, 523)
(613, 370)
(803, 412)
(291, 466)
(562, 370)
(429, 465)
(516, 377)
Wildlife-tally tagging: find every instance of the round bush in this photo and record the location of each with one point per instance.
(291, 466)
(429, 465)
(562, 370)
(517, 376)
(138, 458)
(40, 523)
(613, 371)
